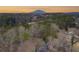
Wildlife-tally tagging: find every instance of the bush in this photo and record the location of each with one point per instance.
(26, 36)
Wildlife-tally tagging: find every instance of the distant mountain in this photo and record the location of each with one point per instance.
(38, 12)
(72, 13)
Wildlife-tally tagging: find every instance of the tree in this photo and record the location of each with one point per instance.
(46, 30)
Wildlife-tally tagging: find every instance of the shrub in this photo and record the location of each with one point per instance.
(26, 36)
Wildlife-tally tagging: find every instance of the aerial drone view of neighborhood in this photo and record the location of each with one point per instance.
(39, 29)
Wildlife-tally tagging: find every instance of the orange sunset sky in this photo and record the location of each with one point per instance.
(27, 9)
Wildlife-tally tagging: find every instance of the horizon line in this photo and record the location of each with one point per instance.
(45, 12)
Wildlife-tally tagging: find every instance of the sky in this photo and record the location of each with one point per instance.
(27, 9)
